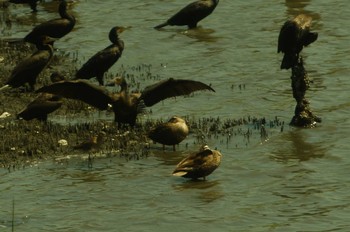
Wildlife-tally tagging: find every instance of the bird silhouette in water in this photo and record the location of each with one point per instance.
(99, 63)
(43, 104)
(126, 106)
(169, 133)
(27, 71)
(199, 164)
(32, 3)
(55, 28)
(294, 35)
(191, 14)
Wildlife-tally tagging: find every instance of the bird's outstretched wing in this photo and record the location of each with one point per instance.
(171, 88)
(82, 90)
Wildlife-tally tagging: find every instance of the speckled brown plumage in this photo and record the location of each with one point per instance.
(170, 133)
(199, 164)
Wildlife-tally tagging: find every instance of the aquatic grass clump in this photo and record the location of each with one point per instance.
(24, 143)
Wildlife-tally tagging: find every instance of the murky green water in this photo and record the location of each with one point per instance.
(295, 181)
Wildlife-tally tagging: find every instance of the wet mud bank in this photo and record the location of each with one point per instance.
(23, 143)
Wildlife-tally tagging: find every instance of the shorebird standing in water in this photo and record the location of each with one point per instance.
(92, 145)
(199, 164)
(170, 133)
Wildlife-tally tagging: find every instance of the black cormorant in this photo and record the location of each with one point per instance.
(40, 107)
(32, 3)
(191, 14)
(294, 35)
(55, 28)
(43, 104)
(99, 63)
(126, 106)
(28, 69)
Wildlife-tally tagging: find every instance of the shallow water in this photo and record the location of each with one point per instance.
(294, 181)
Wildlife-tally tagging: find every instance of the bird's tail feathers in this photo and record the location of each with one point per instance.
(161, 25)
(179, 173)
(289, 61)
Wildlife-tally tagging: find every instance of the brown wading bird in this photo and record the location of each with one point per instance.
(92, 145)
(170, 133)
(126, 106)
(28, 69)
(191, 14)
(199, 164)
(294, 35)
(99, 63)
(43, 104)
(32, 3)
(55, 28)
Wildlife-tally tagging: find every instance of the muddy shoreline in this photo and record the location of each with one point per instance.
(26, 142)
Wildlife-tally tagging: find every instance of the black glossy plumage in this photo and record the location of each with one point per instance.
(99, 63)
(40, 107)
(294, 35)
(28, 69)
(31, 3)
(43, 104)
(82, 90)
(171, 88)
(126, 106)
(55, 28)
(191, 14)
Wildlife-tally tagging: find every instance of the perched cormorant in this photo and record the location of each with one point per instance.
(40, 107)
(191, 14)
(199, 164)
(170, 133)
(294, 35)
(28, 69)
(99, 63)
(32, 3)
(43, 104)
(55, 28)
(126, 106)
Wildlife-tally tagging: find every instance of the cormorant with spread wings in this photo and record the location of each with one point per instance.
(126, 106)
